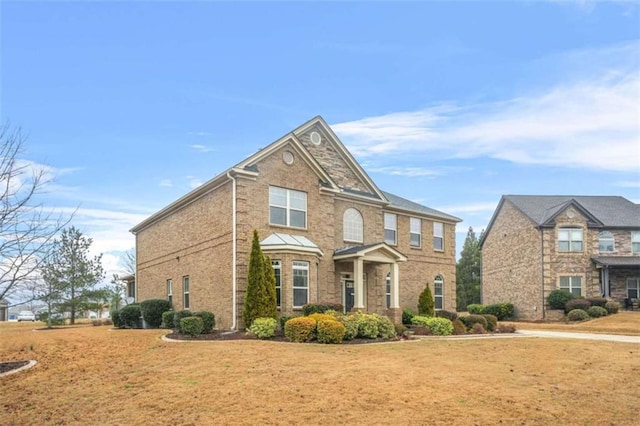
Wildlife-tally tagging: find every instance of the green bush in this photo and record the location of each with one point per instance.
(263, 328)
(130, 316)
(440, 326)
(612, 307)
(458, 327)
(420, 320)
(350, 323)
(425, 302)
(152, 311)
(470, 320)
(167, 319)
(191, 325)
(597, 312)
(577, 315)
(447, 314)
(492, 321)
(597, 301)
(299, 329)
(56, 319)
(581, 304)
(330, 331)
(386, 329)
(260, 294)
(179, 315)
(115, 317)
(502, 311)
(400, 329)
(321, 308)
(474, 308)
(407, 314)
(284, 318)
(558, 298)
(208, 321)
(367, 326)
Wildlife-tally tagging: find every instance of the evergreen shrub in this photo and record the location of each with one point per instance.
(582, 304)
(426, 303)
(167, 319)
(191, 325)
(208, 321)
(300, 329)
(263, 328)
(130, 316)
(597, 312)
(152, 311)
(577, 315)
(330, 331)
(558, 298)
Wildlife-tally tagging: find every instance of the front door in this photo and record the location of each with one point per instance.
(348, 295)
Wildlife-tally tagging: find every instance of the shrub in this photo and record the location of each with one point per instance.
(572, 304)
(208, 321)
(425, 302)
(447, 314)
(577, 315)
(350, 323)
(478, 329)
(386, 329)
(367, 326)
(191, 325)
(470, 320)
(505, 328)
(152, 311)
(502, 311)
(474, 308)
(407, 314)
(420, 320)
(421, 330)
(612, 307)
(115, 317)
(299, 329)
(96, 322)
(263, 328)
(440, 326)
(322, 317)
(558, 298)
(492, 321)
(597, 301)
(260, 296)
(107, 321)
(400, 329)
(330, 331)
(321, 308)
(179, 315)
(284, 318)
(597, 312)
(167, 319)
(458, 327)
(130, 316)
(56, 319)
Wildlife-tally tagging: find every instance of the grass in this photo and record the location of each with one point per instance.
(624, 322)
(90, 375)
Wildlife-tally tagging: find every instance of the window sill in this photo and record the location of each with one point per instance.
(277, 225)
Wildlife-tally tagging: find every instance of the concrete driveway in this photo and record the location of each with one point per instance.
(587, 336)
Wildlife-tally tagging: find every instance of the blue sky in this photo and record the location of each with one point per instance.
(130, 105)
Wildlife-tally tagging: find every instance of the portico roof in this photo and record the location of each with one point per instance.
(289, 242)
(632, 261)
(376, 252)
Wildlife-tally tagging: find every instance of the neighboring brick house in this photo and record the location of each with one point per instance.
(332, 236)
(589, 245)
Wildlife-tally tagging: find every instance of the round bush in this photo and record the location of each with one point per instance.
(577, 315)
(386, 329)
(597, 312)
(178, 316)
(367, 326)
(577, 304)
(474, 308)
(167, 319)
(319, 317)
(299, 329)
(130, 316)
(492, 321)
(350, 323)
(470, 320)
(558, 298)
(263, 328)
(440, 326)
(478, 329)
(208, 321)
(447, 314)
(420, 320)
(152, 311)
(458, 327)
(597, 301)
(330, 331)
(191, 325)
(612, 307)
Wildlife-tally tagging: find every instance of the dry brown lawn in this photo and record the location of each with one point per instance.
(90, 375)
(627, 323)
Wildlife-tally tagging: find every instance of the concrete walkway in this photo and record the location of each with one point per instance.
(587, 336)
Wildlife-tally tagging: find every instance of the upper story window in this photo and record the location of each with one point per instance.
(415, 232)
(287, 207)
(635, 242)
(390, 228)
(438, 236)
(353, 227)
(606, 242)
(570, 239)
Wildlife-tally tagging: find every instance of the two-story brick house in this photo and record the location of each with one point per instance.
(588, 245)
(332, 235)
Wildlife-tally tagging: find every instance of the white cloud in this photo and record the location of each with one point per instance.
(471, 208)
(194, 182)
(201, 148)
(167, 183)
(629, 184)
(589, 123)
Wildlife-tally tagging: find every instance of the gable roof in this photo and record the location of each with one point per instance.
(366, 249)
(407, 205)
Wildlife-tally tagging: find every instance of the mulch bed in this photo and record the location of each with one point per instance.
(11, 365)
(240, 335)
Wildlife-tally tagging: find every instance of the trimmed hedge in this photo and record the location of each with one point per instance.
(558, 298)
(577, 315)
(178, 316)
(167, 319)
(386, 329)
(350, 323)
(320, 308)
(320, 317)
(440, 326)
(447, 314)
(597, 301)
(191, 325)
(597, 312)
(458, 327)
(420, 320)
(478, 329)
(130, 316)
(299, 329)
(152, 311)
(492, 321)
(572, 304)
(502, 311)
(284, 318)
(470, 320)
(475, 308)
(263, 328)
(367, 326)
(115, 317)
(612, 307)
(330, 331)
(208, 321)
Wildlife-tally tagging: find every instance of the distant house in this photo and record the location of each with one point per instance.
(588, 245)
(331, 233)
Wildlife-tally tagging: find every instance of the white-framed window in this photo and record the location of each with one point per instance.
(352, 226)
(573, 284)
(277, 271)
(390, 228)
(606, 242)
(635, 242)
(438, 236)
(388, 290)
(300, 283)
(185, 292)
(570, 239)
(170, 290)
(633, 288)
(287, 207)
(415, 232)
(438, 292)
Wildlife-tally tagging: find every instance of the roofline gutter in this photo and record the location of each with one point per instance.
(234, 245)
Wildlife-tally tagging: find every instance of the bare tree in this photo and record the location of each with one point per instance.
(27, 228)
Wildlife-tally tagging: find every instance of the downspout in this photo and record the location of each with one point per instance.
(234, 283)
(542, 268)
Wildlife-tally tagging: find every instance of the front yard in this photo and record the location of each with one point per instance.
(90, 375)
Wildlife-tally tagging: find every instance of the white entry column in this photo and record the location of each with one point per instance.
(395, 286)
(358, 284)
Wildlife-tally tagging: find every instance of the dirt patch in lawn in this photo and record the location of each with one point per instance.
(91, 375)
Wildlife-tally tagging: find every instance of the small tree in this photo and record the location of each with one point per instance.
(426, 303)
(260, 298)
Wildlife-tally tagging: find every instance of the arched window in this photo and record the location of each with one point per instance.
(606, 242)
(352, 226)
(438, 292)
